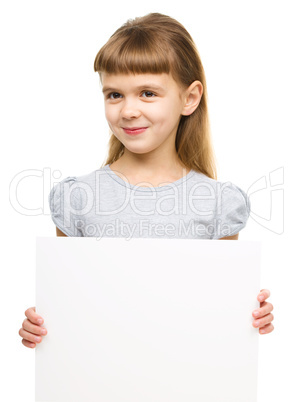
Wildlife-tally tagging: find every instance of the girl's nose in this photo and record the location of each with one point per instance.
(130, 110)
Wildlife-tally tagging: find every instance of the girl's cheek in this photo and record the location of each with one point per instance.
(108, 115)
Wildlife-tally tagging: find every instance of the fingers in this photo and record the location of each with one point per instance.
(33, 316)
(31, 330)
(264, 310)
(263, 315)
(28, 336)
(263, 295)
(263, 321)
(28, 344)
(266, 329)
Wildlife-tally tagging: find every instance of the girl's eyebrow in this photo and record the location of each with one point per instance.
(149, 86)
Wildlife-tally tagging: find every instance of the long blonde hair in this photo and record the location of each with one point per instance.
(157, 43)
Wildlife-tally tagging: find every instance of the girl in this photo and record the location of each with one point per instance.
(159, 179)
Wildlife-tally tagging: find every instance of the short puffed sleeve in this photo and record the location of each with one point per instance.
(232, 210)
(65, 204)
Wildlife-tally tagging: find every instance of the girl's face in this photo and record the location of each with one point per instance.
(143, 110)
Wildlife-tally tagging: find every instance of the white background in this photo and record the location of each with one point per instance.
(52, 119)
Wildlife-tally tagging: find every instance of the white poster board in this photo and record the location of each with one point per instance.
(147, 320)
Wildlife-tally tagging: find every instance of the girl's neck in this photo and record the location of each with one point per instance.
(154, 172)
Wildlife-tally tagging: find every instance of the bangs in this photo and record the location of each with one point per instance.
(134, 51)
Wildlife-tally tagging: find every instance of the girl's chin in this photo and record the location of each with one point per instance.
(138, 150)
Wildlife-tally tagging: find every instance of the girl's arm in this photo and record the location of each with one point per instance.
(235, 237)
(59, 233)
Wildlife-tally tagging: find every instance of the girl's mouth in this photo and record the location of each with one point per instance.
(134, 130)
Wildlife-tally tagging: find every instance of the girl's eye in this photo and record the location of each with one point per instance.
(149, 94)
(114, 95)
(117, 95)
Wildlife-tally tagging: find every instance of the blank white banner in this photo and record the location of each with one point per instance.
(147, 320)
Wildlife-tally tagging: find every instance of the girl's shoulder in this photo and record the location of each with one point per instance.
(217, 188)
(68, 199)
(76, 186)
(62, 200)
(229, 204)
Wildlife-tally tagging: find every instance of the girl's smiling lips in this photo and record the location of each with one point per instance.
(134, 130)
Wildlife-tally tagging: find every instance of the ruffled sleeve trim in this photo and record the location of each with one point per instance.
(233, 210)
(64, 200)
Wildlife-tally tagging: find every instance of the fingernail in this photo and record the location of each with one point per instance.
(261, 298)
(256, 313)
(43, 331)
(40, 321)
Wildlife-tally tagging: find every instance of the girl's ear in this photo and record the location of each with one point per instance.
(192, 98)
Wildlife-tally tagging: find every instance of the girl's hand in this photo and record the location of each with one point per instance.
(31, 330)
(262, 315)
